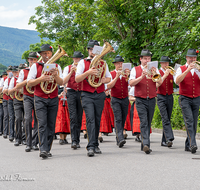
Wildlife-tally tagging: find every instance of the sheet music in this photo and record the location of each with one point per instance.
(97, 50)
(152, 64)
(126, 66)
(177, 66)
(48, 67)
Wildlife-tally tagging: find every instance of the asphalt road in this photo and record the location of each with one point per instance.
(117, 168)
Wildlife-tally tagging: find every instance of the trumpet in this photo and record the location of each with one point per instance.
(151, 74)
(197, 65)
(123, 74)
(172, 71)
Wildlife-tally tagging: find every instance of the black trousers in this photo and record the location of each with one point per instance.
(19, 113)
(31, 134)
(5, 118)
(93, 104)
(145, 109)
(75, 113)
(1, 117)
(120, 110)
(190, 110)
(46, 112)
(165, 105)
(11, 114)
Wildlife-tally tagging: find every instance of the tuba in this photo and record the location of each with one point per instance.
(172, 71)
(49, 86)
(95, 80)
(19, 95)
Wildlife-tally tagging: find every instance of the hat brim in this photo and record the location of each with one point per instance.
(191, 55)
(77, 57)
(164, 61)
(145, 55)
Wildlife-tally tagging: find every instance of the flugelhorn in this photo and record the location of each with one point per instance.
(49, 86)
(172, 71)
(197, 65)
(95, 80)
(151, 74)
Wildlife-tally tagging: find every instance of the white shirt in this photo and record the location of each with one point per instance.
(1, 82)
(33, 72)
(5, 85)
(132, 91)
(11, 85)
(21, 76)
(133, 72)
(179, 72)
(81, 68)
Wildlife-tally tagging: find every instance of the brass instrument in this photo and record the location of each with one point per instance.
(1, 97)
(123, 73)
(30, 89)
(40, 59)
(95, 80)
(172, 71)
(12, 96)
(45, 85)
(151, 74)
(19, 94)
(197, 65)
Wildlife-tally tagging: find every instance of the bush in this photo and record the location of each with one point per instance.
(177, 121)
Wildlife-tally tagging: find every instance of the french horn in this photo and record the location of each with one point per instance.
(95, 80)
(1, 97)
(49, 86)
(19, 95)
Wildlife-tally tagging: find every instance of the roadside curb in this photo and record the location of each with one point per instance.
(179, 133)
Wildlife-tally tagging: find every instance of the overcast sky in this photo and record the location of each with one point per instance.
(16, 13)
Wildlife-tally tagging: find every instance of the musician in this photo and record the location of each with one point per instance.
(28, 101)
(145, 93)
(74, 99)
(92, 98)
(4, 74)
(187, 77)
(165, 101)
(46, 105)
(119, 101)
(5, 104)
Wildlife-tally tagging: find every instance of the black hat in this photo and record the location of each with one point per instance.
(192, 53)
(96, 43)
(165, 59)
(90, 44)
(4, 73)
(15, 68)
(77, 54)
(9, 68)
(145, 52)
(21, 66)
(118, 58)
(46, 47)
(33, 55)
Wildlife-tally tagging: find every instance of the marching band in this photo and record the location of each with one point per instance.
(29, 99)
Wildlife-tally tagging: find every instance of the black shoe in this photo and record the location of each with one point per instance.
(5, 136)
(49, 154)
(78, 146)
(1, 133)
(97, 150)
(106, 134)
(169, 144)
(164, 144)
(28, 149)
(44, 154)
(61, 142)
(74, 145)
(121, 143)
(24, 142)
(146, 149)
(193, 149)
(85, 136)
(137, 139)
(11, 139)
(100, 139)
(125, 136)
(17, 143)
(187, 149)
(65, 141)
(90, 153)
(35, 147)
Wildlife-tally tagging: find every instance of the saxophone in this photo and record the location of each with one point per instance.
(95, 80)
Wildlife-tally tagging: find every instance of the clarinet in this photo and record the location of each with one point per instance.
(64, 95)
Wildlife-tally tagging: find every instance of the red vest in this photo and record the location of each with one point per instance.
(167, 86)
(190, 86)
(72, 83)
(26, 71)
(5, 97)
(9, 79)
(146, 87)
(86, 85)
(38, 91)
(120, 90)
